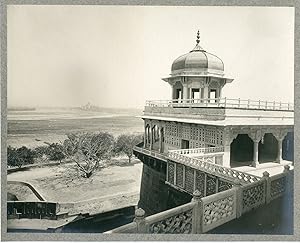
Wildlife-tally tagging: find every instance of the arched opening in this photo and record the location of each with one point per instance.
(147, 135)
(155, 137)
(177, 92)
(267, 148)
(288, 147)
(241, 151)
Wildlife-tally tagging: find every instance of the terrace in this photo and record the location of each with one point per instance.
(221, 109)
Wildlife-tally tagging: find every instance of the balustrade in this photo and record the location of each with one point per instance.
(218, 209)
(203, 214)
(253, 195)
(204, 164)
(198, 150)
(222, 102)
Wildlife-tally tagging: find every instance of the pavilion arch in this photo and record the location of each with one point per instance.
(162, 139)
(241, 151)
(147, 136)
(267, 148)
(155, 137)
(288, 147)
(177, 91)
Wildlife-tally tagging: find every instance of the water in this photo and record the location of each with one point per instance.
(33, 128)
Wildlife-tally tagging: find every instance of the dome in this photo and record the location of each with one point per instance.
(197, 60)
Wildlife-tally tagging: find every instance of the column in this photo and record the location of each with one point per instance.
(159, 135)
(228, 137)
(256, 136)
(205, 93)
(279, 153)
(145, 137)
(279, 135)
(255, 153)
(185, 92)
(151, 138)
(202, 93)
(173, 93)
(226, 157)
(220, 92)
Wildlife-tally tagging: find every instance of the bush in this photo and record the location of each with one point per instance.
(20, 156)
(88, 150)
(125, 144)
(56, 152)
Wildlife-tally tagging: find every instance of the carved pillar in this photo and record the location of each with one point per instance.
(279, 153)
(145, 137)
(255, 153)
(173, 93)
(140, 220)
(185, 92)
(160, 139)
(226, 157)
(151, 137)
(228, 137)
(280, 135)
(256, 136)
(205, 93)
(197, 213)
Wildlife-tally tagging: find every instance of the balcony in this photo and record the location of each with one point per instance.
(222, 103)
(221, 111)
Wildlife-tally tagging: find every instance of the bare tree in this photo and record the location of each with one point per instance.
(125, 144)
(88, 150)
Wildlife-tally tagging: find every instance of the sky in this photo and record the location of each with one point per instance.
(115, 56)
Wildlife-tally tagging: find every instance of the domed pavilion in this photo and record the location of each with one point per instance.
(201, 140)
(197, 74)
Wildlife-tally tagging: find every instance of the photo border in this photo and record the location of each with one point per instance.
(145, 237)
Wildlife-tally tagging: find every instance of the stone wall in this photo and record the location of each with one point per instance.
(155, 195)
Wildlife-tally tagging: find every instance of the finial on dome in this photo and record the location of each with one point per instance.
(198, 37)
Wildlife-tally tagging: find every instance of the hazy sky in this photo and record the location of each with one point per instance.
(115, 56)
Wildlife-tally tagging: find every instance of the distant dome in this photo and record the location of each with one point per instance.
(197, 60)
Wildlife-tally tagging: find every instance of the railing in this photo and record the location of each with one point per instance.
(214, 169)
(218, 209)
(222, 102)
(173, 221)
(149, 152)
(204, 214)
(188, 179)
(198, 150)
(38, 210)
(277, 185)
(206, 163)
(253, 195)
(176, 220)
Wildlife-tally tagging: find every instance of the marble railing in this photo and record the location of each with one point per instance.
(212, 168)
(222, 102)
(253, 195)
(198, 150)
(203, 214)
(176, 220)
(218, 209)
(207, 163)
(173, 221)
(150, 152)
